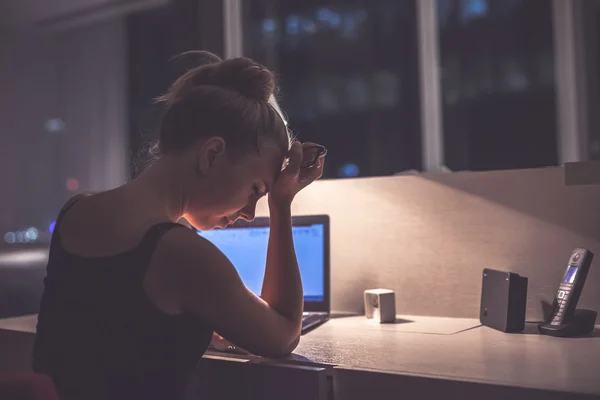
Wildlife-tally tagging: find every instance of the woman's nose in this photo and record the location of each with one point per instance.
(248, 212)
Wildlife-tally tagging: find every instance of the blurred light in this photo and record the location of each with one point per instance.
(308, 25)
(292, 25)
(329, 17)
(52, 226)
(386, 89)
(350, 29)
(328, 100)
(473, 9)
(23, 257)
(54, 125)
(31, 234)
(323, 14)
(356, 89)
(349, 170)
(515, 78)
(72, 184)
(269, 25)
(10, 237)
(21, 237)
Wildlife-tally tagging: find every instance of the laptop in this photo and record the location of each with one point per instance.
(245, 244)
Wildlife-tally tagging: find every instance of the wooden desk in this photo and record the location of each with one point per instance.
(476, 355)
(377, 360)
(352, 358)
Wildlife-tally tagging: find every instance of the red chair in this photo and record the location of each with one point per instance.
(26, 386)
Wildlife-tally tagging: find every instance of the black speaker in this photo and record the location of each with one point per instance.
(503, 301)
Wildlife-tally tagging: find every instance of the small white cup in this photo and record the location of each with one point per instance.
(380, 305)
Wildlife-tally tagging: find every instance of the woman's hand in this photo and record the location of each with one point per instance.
(295, 177)
(221, 344)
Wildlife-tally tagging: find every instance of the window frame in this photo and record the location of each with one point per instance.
(572, 122)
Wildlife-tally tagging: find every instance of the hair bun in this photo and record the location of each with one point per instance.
(241, 75)
(244, 76)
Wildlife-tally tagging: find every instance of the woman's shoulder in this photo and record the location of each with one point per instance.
(74, 199)
(183, 265)
(183, 256)
(183, 245)
(99, 225)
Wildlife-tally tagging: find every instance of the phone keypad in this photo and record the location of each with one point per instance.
(560, 304)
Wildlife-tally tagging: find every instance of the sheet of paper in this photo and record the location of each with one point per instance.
(412, 324)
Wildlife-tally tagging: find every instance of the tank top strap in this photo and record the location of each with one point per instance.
(70, 203)
(155, 232)
(151, 237)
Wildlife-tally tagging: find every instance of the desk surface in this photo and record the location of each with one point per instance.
(480, 354)
(475, 354)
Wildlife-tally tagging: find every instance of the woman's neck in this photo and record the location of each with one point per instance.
(161, 188)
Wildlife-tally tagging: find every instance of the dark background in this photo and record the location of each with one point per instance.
(349, 74)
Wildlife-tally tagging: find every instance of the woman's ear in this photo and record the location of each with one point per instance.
(209, 153)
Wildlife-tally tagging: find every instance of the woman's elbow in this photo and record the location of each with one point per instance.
(292, 346)
(283, 349)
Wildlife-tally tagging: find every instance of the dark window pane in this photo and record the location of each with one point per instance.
(592, 55)
(349, 80)
(154, 38)
(498, 88)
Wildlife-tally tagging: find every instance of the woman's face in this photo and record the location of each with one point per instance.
(228, 189)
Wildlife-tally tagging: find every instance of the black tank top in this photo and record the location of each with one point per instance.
(100, 337)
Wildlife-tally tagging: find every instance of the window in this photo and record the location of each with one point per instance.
(592, 56)
(498, 87)
(155, 37)
(348, 72)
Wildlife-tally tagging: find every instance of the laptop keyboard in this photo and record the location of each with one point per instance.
(310, 318)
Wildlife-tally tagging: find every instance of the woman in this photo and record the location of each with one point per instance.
(132, 298)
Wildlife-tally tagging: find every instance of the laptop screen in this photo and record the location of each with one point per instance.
(246, 248)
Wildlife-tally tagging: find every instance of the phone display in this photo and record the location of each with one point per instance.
(570, 275)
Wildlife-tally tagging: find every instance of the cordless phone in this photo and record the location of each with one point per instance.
(570, 287)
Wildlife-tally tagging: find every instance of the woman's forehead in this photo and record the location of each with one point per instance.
(268, 163)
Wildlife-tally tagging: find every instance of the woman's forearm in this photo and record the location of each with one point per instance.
(282, 285)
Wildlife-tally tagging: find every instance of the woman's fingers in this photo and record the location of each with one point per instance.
(311, 174)
(221, 344)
